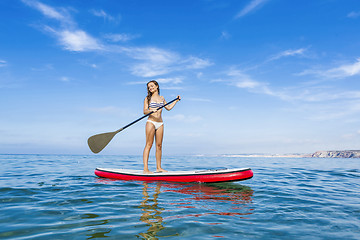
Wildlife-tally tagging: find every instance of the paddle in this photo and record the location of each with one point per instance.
(99, 141)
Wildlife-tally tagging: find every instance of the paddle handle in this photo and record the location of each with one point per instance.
(146, 115)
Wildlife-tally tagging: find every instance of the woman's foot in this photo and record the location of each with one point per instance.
(147, 172)
(161, 170)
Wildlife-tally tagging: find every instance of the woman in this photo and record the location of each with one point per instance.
(154, 126)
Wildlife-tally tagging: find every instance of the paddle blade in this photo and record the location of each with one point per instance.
(98, 142)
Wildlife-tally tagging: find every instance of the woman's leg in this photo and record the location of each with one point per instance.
(158, 142)
(149, 132)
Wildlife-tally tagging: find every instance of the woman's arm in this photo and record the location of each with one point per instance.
(170, 106)
(146, 107)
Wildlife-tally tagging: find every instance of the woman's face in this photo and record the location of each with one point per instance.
(152, 87)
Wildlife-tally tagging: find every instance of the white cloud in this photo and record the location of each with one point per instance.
(288, 53)
(78, 41)
(107, 17)
(244, 81)
(174, 80)
(343, 71)
(59, 14)
(346, 70)
(155, 61)
(64, 79)
(169, 83)
(45, 9)
(252, 6)
(239, 79)
(93, 65)
(102, 13)
(72, 38)
(354, 14)
(149, 69)
(314, 94)
(225, 35)
(151, 61)
(3, 63)
(196, 63)
(120, 37)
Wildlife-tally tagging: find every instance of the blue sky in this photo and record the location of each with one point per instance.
(255, 76)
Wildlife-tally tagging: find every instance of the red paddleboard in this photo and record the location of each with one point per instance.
(201, 176)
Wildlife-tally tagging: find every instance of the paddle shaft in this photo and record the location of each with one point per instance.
(99, 141)
(146, 115)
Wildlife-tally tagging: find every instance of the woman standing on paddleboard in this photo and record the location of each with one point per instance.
(154, 126)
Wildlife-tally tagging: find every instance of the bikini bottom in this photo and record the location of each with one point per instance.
(156, 124)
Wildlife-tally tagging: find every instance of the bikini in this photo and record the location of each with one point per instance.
(156, 124)
(156, 105)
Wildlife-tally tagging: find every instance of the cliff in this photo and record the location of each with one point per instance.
(337, 154)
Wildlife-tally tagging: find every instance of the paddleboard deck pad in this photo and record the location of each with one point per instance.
(201, 176)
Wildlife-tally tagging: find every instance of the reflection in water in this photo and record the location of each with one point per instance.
(151, 212)
(210, 198)
(98, 232)
(200, 196)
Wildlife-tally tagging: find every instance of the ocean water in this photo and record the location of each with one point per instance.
(59, 197)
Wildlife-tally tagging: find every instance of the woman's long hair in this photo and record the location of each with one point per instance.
(148, 91)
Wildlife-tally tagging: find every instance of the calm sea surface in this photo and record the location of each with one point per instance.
(59, 197)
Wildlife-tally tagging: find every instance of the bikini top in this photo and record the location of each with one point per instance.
(156, 104)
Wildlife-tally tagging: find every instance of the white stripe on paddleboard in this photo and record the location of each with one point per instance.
(171, 173)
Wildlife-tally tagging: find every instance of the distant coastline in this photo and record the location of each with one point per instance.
(318, 154)
(337, 154)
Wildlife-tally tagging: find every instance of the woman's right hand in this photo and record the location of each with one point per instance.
(154, 110)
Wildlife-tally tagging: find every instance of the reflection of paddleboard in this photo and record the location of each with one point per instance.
(206, 176)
